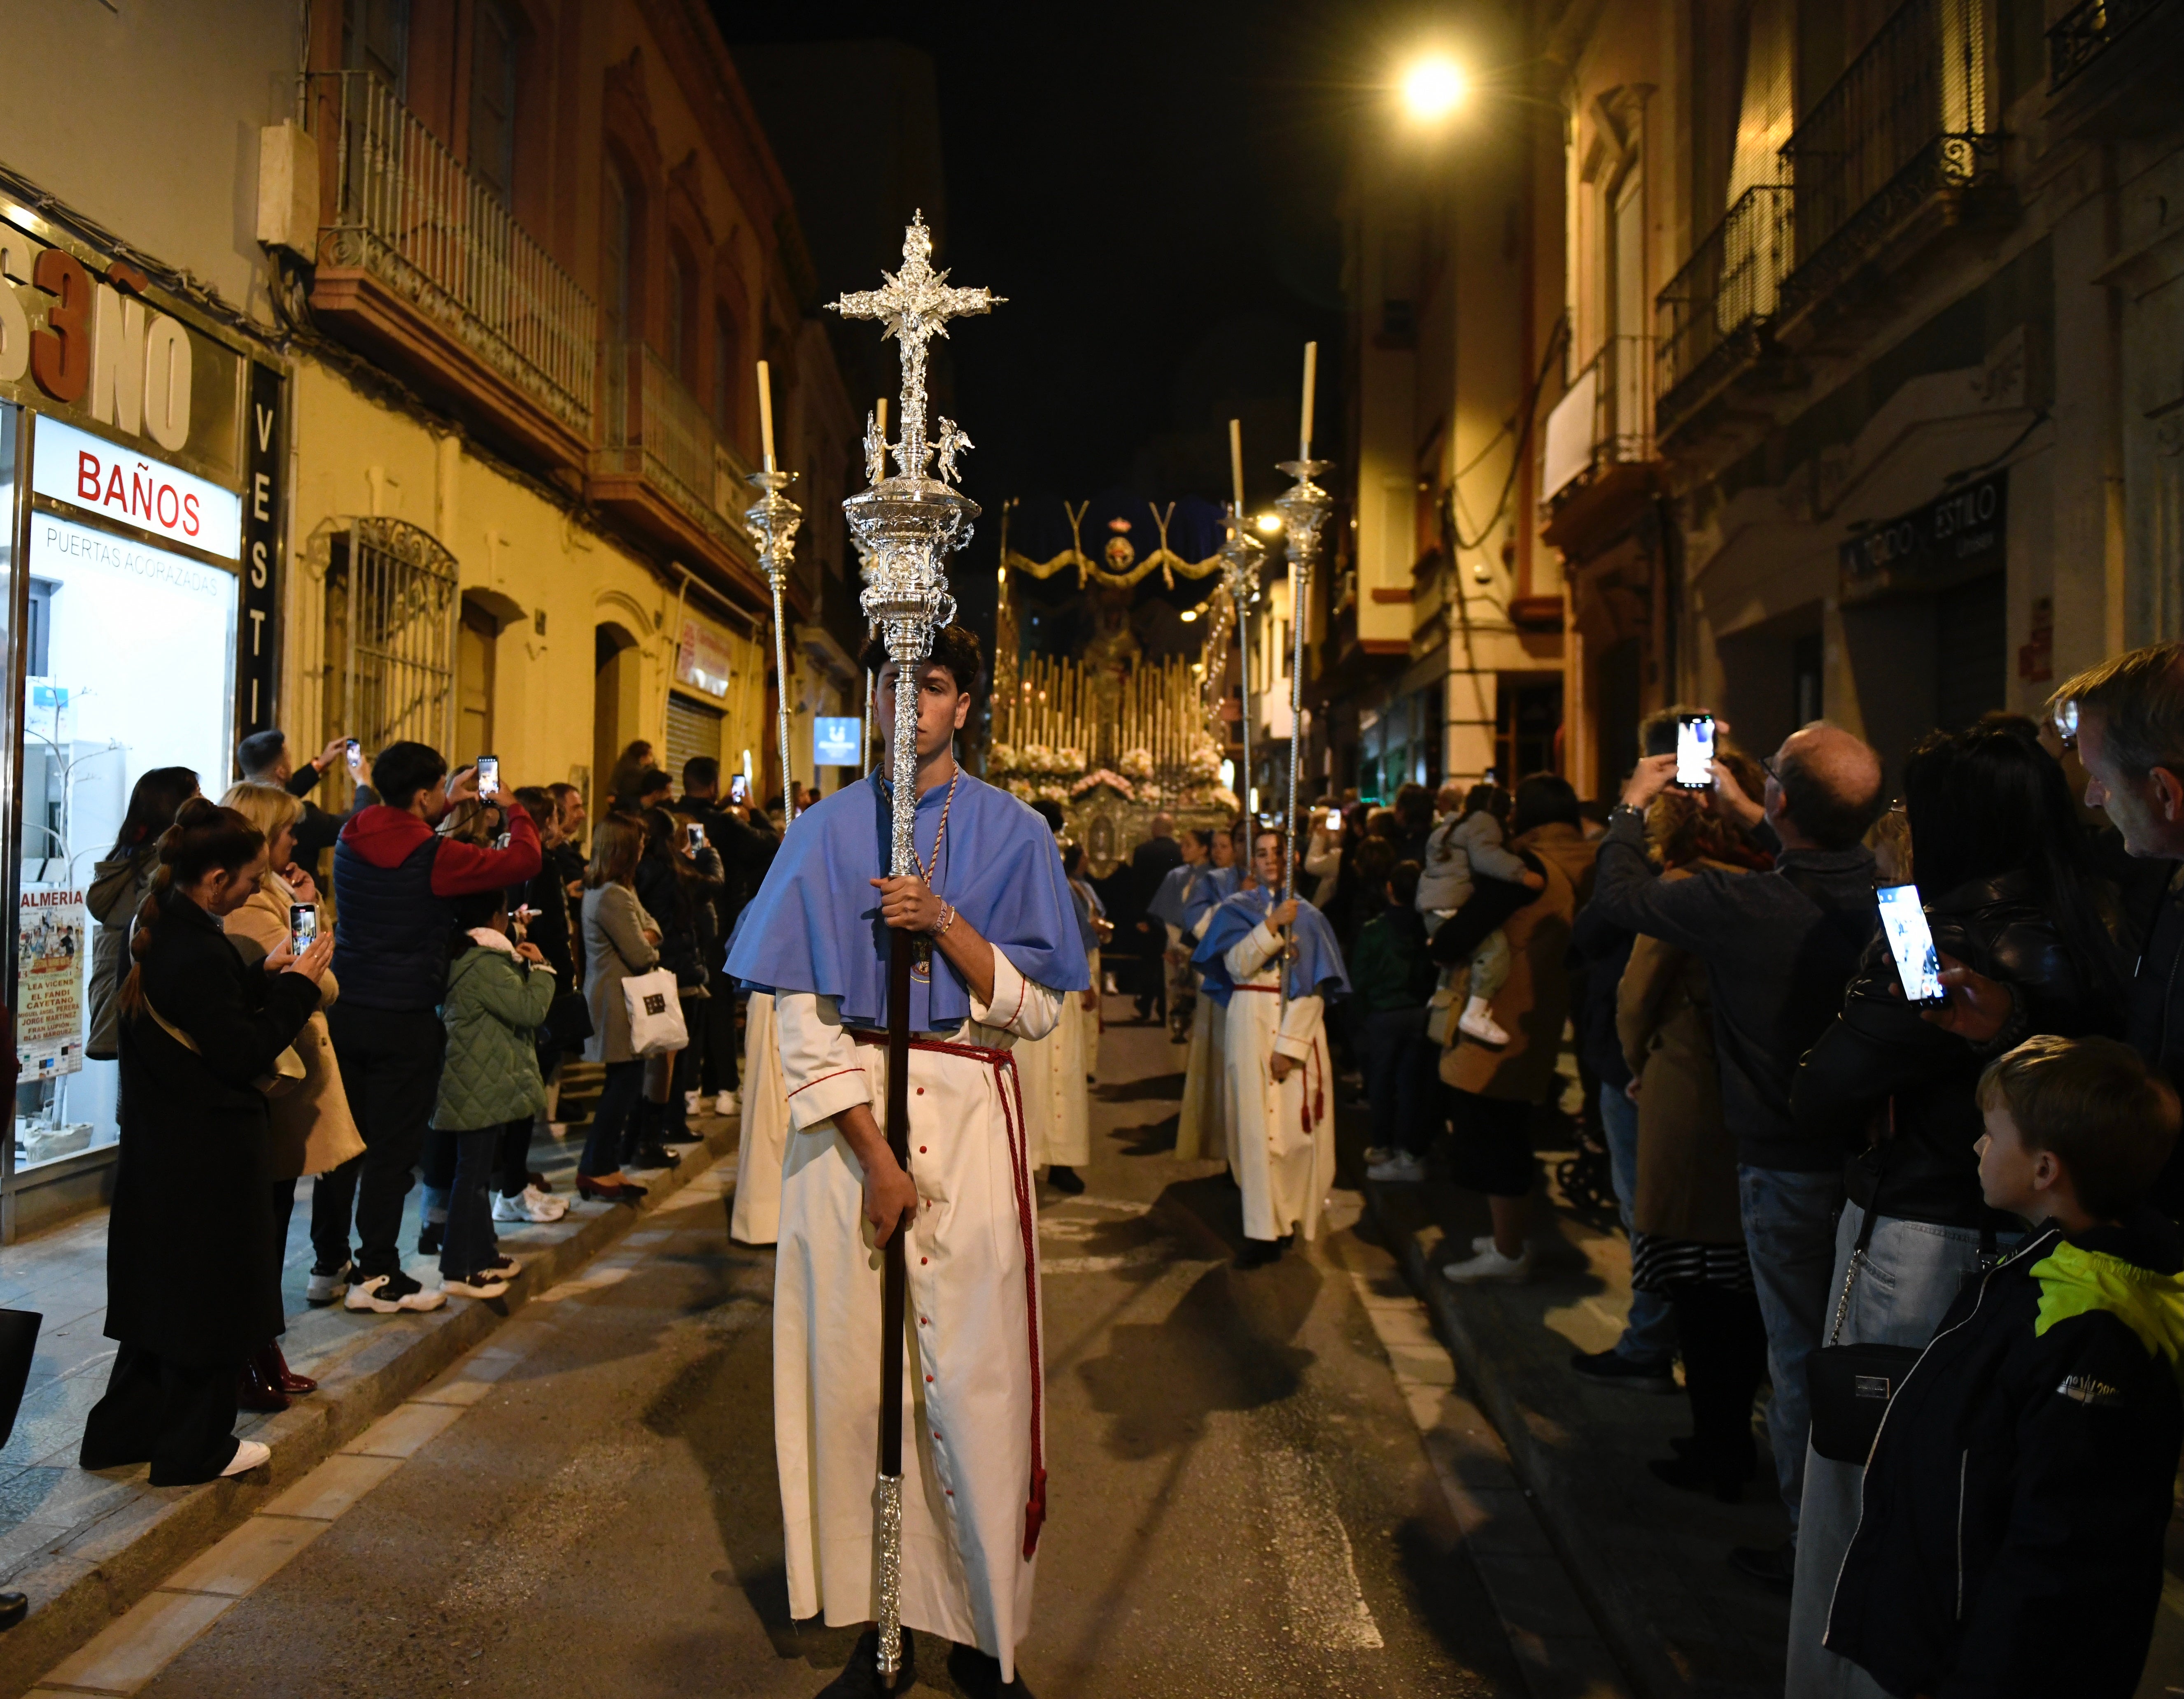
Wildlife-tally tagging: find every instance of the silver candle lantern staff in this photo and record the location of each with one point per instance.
(1304, 507)
(773, 521)
(1241, 557)
(906, 526)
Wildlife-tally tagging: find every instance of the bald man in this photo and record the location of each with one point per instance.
(1778, 949)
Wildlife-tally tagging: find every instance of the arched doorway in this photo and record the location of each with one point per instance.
(617, 702)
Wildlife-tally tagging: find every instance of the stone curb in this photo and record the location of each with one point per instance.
(102, 1570)
(1645, 1662)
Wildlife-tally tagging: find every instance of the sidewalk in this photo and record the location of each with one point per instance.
(87, 1545)
(1648, 1561)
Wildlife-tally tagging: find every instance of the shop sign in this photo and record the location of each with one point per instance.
(1961, 536)
(79, 336)
(50, 946)
(836, 740)
(264, 458)
(702, 661)
(79, 470)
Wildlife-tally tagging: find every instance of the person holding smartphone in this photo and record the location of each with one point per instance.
(2006, 885)
(265, 758)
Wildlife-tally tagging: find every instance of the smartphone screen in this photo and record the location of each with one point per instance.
(1334, 820)
(489, 775)
(302, 926)
(1694, 752)
(1904, 920)
(739, 790)
(355, 756)
(697, 836)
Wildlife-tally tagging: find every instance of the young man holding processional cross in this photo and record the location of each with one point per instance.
(999, 948)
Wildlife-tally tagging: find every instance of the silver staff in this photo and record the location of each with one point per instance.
(907, 527)
(1304, 507)
(774, 521)
(1241, 556)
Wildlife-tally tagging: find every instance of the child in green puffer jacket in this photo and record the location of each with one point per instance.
(498, 992)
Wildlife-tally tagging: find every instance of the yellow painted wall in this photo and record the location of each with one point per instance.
(520, 554)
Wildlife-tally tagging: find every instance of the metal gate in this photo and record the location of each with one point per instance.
(392, 608)
(693, 729)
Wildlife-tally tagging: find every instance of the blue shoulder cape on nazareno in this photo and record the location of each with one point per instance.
(1317, 970)
(815, 924)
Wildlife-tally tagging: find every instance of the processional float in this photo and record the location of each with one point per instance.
(906, 526)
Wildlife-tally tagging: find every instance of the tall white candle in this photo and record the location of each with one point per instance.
(766, 412)
(1236, 465)
(1310, 378)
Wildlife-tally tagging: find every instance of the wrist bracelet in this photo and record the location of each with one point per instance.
(947, 919)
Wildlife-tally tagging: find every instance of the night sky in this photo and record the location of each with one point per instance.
(1154, 188)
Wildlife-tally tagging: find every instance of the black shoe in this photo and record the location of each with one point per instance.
(679, 1134)
(429, 1235)
(1698, 1471)
(979, 1675)
(14, 1607)
(1065, 1179)
(860, 1678)
(1611, 1368)
(1775, 1565)
(1259, 1252)
(655, 1155)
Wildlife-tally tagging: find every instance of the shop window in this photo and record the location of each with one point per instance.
(492, 99)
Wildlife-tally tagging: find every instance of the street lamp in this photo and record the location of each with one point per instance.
(1433, 87)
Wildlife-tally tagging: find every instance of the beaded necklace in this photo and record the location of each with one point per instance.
(921, 957)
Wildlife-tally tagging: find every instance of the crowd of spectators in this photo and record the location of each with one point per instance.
(414, 1018)
(1834, 1191)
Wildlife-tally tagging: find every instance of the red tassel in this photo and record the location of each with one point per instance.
(1035, 1512)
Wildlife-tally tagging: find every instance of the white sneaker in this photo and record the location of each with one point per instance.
(1402, 1168)
(249, 1454)
(1484, 1241)
(1477, 1022)
(1489, 1264)
(530, 1204)
(1377, 1154)
(476, 1286)
(385, 1293)
(727, 1103)
(694, 1103)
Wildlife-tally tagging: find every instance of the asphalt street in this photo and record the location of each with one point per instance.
(1240, 1502)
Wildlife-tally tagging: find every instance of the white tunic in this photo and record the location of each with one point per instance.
(1055, 1099)
(756, 1219)
(1283, 1135)
(972, 1369)
(1201, 1129)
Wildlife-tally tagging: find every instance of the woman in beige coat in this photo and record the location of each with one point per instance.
(313, 1130)
(1687, 1240)
(620, 939)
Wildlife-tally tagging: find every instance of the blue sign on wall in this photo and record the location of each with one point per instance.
(836, 741)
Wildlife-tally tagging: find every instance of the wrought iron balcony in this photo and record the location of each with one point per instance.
(2086, 31)
(1711, 320)
(428, 264)
(1892, 148)
(661, 462)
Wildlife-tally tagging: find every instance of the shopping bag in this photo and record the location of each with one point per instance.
(655, 1013)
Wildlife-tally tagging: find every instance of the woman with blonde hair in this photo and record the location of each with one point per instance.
(620, 939)
(313, 1130)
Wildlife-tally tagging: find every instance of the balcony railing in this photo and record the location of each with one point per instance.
(653, 428)
(405, 210)
(2086, 31)
(1711, 317)
(1906, 122)
(1605, 418)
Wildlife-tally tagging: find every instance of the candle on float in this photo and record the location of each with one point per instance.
(1311, 379)
(766, 413)
(1236, 465)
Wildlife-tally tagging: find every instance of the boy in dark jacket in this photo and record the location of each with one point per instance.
(1392, 979)
(2010, 1540)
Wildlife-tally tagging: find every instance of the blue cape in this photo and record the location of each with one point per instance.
(1175, 887)
(1217, 887)
(1318, 972)
(815, 924)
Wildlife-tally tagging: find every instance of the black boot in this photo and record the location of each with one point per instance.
(978, 1674)
(1063, 1178)
(1259, 1252)
(644, 1149)
(860, 1678)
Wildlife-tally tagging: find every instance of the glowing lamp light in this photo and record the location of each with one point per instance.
(1188, 614)
(1269, 523)
(1434, 87)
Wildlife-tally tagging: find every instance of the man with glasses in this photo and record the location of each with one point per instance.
(1778, 949)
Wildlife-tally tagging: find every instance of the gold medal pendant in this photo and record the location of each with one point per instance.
(921, 958)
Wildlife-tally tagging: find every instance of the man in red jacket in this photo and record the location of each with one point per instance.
(393, 879)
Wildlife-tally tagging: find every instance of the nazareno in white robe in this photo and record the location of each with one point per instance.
(756, 1218)
(972, 1372)
(1283, 1135)
(1057, 1100)
(1202, 1125)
